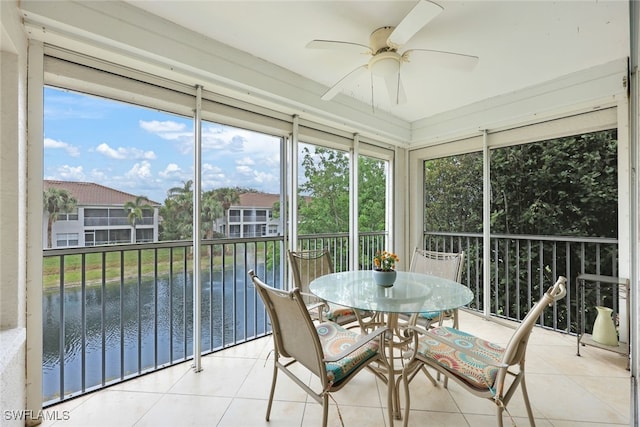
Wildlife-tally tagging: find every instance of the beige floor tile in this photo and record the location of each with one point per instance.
(435, 419)
(561, 398)
(258, 383)
(183, 410)
(58, 414)
(352, 416)
(111, 408)
(220, 376)
(156, 382)
(613, 392)
(563, 423)
(490, 421)
(233, 389)
(251, 412)
(426, 397)
(252, 349)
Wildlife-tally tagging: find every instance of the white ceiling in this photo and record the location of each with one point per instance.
(520, 43)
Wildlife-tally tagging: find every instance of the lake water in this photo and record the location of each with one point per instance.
(144, 326)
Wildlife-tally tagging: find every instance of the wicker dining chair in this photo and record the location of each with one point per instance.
(479, 366)
(331, 352)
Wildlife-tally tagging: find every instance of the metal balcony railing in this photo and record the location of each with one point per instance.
(523, 266)
(115, 312)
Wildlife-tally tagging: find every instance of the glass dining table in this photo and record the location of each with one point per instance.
(411, 293)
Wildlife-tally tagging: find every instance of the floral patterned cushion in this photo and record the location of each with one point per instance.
(335, 311)
(335, 339)
(445, 350)
(431, 315)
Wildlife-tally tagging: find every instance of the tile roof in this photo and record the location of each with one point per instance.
(89, 193)
(258, 200)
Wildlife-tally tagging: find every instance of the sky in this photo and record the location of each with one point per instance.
(146, 152)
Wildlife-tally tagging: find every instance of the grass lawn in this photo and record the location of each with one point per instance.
(129, 260)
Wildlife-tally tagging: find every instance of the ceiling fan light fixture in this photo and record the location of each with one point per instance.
(385, 64)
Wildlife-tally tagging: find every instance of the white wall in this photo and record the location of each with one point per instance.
(13, 70)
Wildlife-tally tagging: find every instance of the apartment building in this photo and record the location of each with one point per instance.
(253, 216)
(99, 218)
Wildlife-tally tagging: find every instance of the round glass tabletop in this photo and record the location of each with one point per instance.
(411, 292)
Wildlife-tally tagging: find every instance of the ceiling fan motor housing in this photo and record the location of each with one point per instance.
(378, 40)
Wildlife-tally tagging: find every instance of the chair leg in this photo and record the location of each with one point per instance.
(325, 408)
(273, 389)
(527, 404)
(499, 411)
(433, 381)
(390, 402)
(407, 399)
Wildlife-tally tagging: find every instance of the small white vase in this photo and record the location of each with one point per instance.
(604, 330)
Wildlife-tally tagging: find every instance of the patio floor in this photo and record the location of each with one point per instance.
(232, 390)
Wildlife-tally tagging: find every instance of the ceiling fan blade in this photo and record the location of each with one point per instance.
(397, 96)
(454, 60)
(333, 91)
(423, 12)
(339, 45)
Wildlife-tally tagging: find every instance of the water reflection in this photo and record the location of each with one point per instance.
(132, 328)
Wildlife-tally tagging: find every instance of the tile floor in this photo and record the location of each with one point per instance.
(232, 390)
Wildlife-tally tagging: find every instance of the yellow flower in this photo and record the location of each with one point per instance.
(385, 261)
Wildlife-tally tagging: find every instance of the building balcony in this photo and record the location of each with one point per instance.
(233, 388)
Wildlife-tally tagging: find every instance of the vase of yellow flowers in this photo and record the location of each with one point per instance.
(384, 268)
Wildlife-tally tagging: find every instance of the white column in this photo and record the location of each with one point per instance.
(353, 204)
(197, 237)
(486, 224)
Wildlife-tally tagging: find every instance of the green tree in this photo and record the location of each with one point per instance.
(212, 210)
(453, 193)
(177, 213)
(134, 211)
(565, 186)
(326, 209)
(372, 184)
(55, 202)
(228, 196)
(324, 196)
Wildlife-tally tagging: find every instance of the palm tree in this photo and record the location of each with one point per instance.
(55, 202)
(177, 212)
(135, 210)
(211, 210)
(227, 197)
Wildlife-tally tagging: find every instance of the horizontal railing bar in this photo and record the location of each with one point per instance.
(577, 239)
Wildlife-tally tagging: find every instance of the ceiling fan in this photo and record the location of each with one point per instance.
(385, 60)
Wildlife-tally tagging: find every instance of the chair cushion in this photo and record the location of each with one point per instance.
(477, 372)
(335, 339)
(335, 311)
(430, 314)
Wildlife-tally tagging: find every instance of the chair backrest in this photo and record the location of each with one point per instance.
(442, 264)
(309, 265)
(517, 346)
(293, 330)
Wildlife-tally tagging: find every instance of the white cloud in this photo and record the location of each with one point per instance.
(156, 126)
(140, 170)
(98, 175)
(245, 161)
(71, 150)
(171, 170)
(70, 173)
(122, 153)
(244, 170)
(171, 131)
